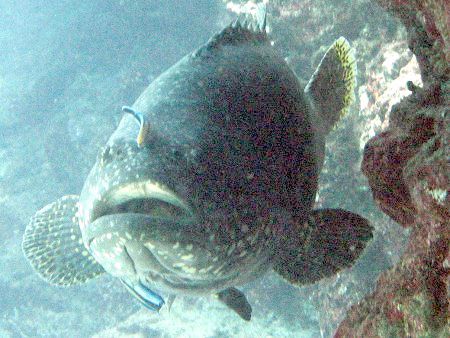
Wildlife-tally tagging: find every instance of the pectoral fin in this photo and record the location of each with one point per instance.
(330, 241)
(236, 301)
(52, 244)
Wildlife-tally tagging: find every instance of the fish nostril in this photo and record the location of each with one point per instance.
(177, 154)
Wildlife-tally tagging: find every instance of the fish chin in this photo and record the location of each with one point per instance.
(132, 245)
(133, 226)
(142, 230)
(168, 254)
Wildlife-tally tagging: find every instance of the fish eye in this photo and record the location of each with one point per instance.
(177, 153)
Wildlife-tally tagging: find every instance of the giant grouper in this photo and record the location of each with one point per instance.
(210, 180)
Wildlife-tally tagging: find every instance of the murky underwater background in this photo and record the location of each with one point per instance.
(66, 68)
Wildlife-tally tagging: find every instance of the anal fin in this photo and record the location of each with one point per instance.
(330, 241)
(52, 244)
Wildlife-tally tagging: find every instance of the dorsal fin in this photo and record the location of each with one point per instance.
(245, 29)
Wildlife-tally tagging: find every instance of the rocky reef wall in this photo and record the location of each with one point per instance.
(408, 168)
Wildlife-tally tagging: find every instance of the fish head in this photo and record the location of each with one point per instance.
(153, 212)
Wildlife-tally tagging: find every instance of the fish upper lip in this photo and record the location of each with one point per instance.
(144, 194)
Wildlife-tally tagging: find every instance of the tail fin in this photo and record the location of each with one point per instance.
(331, 88)
(52, 244)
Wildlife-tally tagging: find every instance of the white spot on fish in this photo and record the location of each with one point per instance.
(231, 249)
(189, 269)
(179, 265)
(216, 272)
(187, 257)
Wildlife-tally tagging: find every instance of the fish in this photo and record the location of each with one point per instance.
(209, 180)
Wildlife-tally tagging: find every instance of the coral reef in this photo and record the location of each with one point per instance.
(428, 30)
(409, 173)
(385, 85)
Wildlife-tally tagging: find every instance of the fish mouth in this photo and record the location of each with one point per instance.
(148, 229)
(132, 224)
(144, 197)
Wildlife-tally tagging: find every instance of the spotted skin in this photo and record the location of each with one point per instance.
(227, 150)
(213, 186)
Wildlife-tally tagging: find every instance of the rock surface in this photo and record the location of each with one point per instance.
(408, 167)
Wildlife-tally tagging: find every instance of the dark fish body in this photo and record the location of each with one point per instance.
(219, 186)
